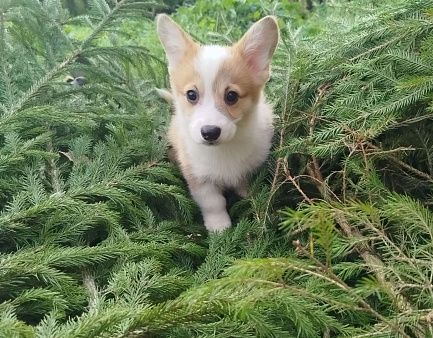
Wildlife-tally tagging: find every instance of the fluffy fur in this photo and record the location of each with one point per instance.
(212, 164)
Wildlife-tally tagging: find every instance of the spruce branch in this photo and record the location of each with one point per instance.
(40, 84)
(303, 292)
(339, 282)
(403, 164)
(367, 148)
(374, 49)
(373, 262)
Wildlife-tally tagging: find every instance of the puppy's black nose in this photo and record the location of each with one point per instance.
(210, 133)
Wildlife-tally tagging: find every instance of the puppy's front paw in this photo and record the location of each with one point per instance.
(217, 222)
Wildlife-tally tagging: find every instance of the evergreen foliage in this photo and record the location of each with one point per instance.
(98, 237)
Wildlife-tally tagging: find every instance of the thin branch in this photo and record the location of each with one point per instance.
(374, 49)
(297, 186)
(403, 164)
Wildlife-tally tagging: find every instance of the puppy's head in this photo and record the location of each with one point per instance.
(215, 87)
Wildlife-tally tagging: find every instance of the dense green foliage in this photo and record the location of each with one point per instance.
(98, 237)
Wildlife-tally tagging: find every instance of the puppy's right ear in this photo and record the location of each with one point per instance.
(174, 40)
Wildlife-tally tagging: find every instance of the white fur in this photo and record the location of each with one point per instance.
(228, 165)
(207, 64)
(212, 205)
(243, 144)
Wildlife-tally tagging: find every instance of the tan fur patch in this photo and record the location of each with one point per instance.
(179, 153)
(186, 77)
(235, 75)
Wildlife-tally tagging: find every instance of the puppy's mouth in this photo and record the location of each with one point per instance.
(210, 143)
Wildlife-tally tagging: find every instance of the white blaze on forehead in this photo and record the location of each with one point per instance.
(207, 64)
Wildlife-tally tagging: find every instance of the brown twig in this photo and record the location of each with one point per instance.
(402, 164)
(361, 142)
(314, 169)
(280, 160)
(297, 186)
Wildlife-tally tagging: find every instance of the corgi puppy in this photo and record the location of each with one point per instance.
(222, 128)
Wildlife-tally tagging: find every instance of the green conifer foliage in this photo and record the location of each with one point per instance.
(88, 201)
(98, 237)
(351, 158)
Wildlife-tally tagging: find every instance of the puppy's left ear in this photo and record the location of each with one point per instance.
(258, 45)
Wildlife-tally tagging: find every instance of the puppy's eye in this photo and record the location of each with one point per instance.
(192, 96)
(231, 98)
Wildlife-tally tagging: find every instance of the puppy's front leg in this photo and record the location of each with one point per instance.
(242, 188)
(212, 204)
